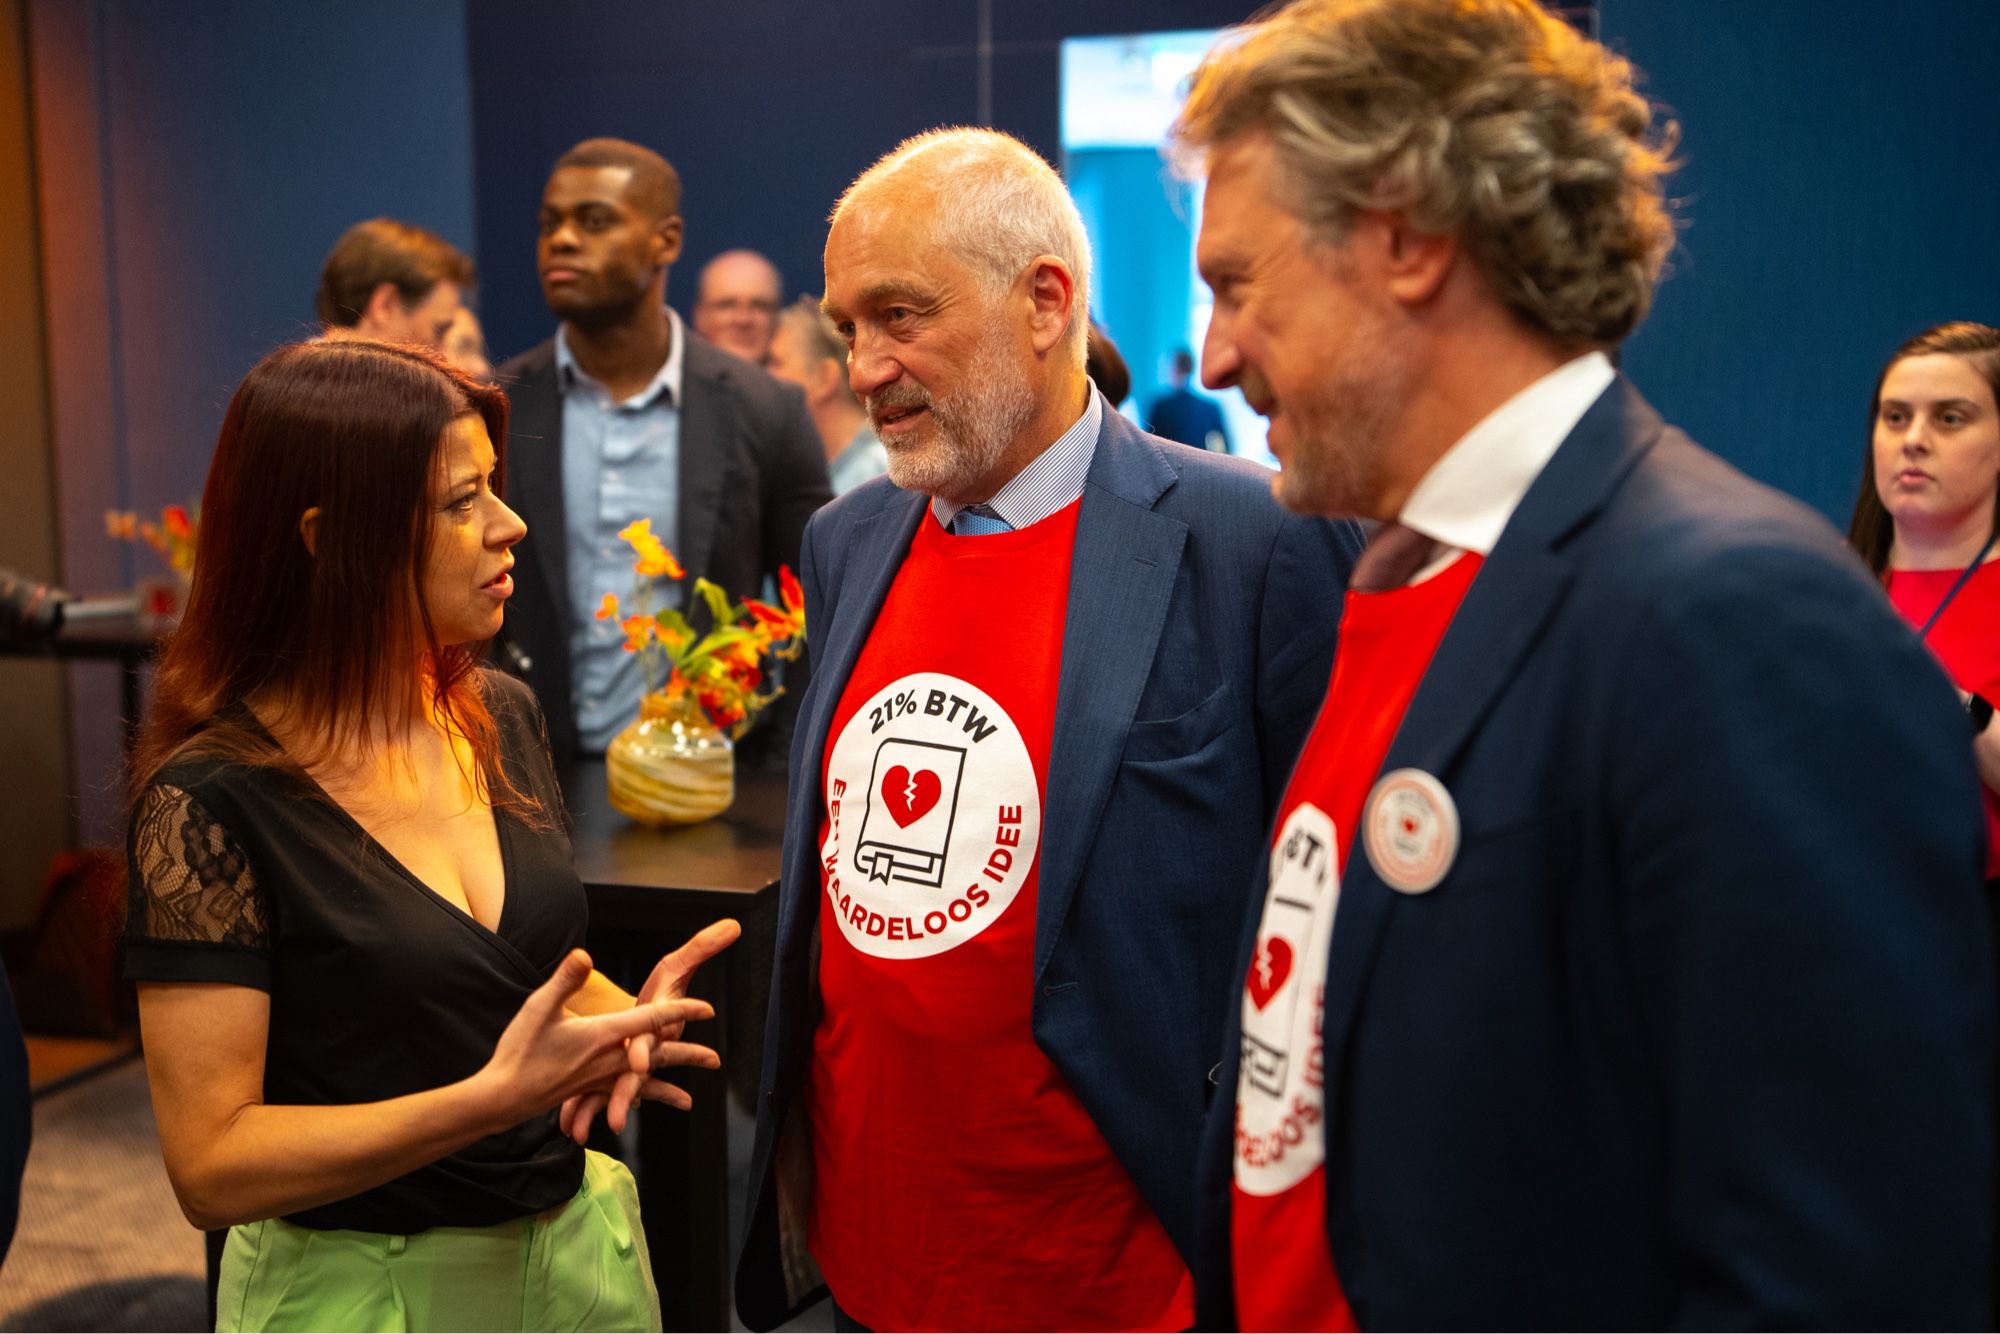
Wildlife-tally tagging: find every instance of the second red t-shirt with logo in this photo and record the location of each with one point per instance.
(958, 1182)
(1282, 1269)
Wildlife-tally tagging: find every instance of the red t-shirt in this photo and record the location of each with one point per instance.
(958, 1181)
(1966, 639)
(1283, 1269)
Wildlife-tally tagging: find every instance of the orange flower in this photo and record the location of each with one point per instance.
(793, 595)
(636, 629)
(654, 558)
(768, 616)
(122, 524)
(175, 517)
(723, 710)
(607, 610)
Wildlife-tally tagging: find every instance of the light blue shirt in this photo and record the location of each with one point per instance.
(621, 461)
(1051, 481)
(863, 459)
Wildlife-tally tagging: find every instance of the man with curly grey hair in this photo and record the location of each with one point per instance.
(1659, 991)
(1060, 671)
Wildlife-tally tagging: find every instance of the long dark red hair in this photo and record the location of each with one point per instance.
(354, 428)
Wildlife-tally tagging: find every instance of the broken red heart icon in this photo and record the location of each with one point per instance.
(1269, 970)
(909, 797)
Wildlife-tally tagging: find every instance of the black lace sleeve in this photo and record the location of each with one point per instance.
(195, 912)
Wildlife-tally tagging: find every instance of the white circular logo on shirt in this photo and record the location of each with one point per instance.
(1280, 1081)
(933, 817)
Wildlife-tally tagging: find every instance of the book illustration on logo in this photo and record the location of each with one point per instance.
(1267, 1028)
(912, 801)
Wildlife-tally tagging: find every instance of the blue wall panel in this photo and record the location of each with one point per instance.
(237, 148)
(195, 163)
(1840, 192)
(767, 110)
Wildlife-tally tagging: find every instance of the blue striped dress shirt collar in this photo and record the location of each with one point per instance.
(1051, 481)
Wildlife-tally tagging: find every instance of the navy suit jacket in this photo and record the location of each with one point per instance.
(1697, 1029)
(752, 471)
(1199, 636)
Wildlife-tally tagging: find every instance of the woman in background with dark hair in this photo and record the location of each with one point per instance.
(1928, 514)
(353, 919)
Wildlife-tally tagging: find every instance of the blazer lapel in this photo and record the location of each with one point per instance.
(706, 430)
(875, 547)
(535, 476)
(1503, 615)
(1121, 582)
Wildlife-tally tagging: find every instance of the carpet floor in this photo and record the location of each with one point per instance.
(101, 1243)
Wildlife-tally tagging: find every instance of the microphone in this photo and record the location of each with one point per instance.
(30, 611)
(34, 613)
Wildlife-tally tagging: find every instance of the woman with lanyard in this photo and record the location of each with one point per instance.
(353, 917)
(1929, 513)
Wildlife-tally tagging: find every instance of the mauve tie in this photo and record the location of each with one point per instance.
(1392, 557)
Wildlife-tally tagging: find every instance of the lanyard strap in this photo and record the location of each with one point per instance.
(1964, 575)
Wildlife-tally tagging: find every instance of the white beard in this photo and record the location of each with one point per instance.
(958, 450)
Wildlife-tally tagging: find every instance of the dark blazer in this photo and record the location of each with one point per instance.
(1199, 635)
(752, 471)
(1697, 1029)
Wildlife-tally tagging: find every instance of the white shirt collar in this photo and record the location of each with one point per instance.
(1052, 480)
(668, 377)
(1470, 493)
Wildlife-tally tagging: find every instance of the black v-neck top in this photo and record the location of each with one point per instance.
(379, 986)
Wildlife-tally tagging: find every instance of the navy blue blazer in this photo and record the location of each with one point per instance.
(1697, 1029)
(1199, 637)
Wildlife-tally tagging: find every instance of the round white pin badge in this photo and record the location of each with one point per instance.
(1410, 829)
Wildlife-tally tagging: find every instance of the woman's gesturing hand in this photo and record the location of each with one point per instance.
(649, 1051)
(548, 1055)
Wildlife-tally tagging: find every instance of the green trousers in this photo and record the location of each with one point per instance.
(582, 1266)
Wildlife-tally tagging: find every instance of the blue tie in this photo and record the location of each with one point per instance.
(978, 521)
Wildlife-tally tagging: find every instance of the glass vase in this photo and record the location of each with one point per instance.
(671, 765)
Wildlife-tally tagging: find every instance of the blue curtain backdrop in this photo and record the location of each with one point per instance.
(1841, 191)
(767, 110)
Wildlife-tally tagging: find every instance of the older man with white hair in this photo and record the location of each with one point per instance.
(1061, 671)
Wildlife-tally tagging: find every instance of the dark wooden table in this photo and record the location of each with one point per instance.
(650, 889)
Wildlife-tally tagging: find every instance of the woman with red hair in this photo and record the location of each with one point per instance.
(353, 917)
